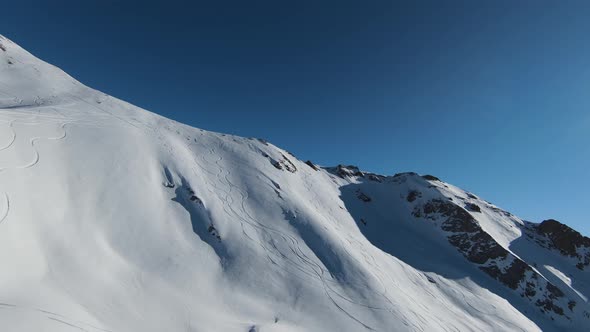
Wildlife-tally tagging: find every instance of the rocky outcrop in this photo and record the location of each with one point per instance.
(430, 177)
(397, 175)
(283, 164)
(351, 172)
(312, 165)
(347, 171)
(412, 195)
(465, 234)
(563, 237)
(363, 197)
(552, 234)
(213, 231)
(472, 207)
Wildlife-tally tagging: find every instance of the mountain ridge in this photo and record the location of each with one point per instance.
(124, 220)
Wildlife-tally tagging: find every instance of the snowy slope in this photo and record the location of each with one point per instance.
(113, 218)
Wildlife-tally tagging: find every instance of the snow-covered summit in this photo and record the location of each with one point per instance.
(113, 218)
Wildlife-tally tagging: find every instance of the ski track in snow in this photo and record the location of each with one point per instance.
(6, 209)
(35, 151)
(33, 119)
(72, 323)
(51, 315)
(294, 257)
(13, 137)
(309, 185)
(34, 162)
(304, 264)
(313, 269)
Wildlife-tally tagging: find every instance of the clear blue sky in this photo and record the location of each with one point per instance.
(491, 96)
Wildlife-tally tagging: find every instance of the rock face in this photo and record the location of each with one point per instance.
(430, 177)
(346, 171)
(413, 194)
(567, 241)
(465, 233)
(460, 215)
(472, 207)
(563, 238)
(312, 165)
(351, 172)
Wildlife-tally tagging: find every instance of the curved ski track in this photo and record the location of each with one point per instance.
(302, 264)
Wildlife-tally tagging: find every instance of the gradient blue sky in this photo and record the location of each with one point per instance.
(491, 96)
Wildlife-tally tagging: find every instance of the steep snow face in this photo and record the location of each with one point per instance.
(116, 219)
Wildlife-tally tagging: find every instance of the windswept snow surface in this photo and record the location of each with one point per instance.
(115, 219)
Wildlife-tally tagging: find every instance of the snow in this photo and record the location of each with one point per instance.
(565, 279)
(116, 219)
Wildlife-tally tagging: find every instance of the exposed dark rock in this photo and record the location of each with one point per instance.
(512, 276)
(530, 290)
(552, 234)
(430, 279)
(363, 197)
(277, 164)
(554, 291)
(571, 305)
(472, 207)
(213, 232)
(351, 171)
(430, 177)
(312, 165)
(348, 171)
(481, 249)
(278, 194)
(548, 305)
(413, 194)
(284, 163)
(404, 173)
(289, 164)
(196, 199)
(563, 237)
(193, 197)
(478, 247)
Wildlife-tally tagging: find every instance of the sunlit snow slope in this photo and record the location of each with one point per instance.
(116, 219)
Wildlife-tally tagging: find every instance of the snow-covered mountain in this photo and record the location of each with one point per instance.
(116, 219)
